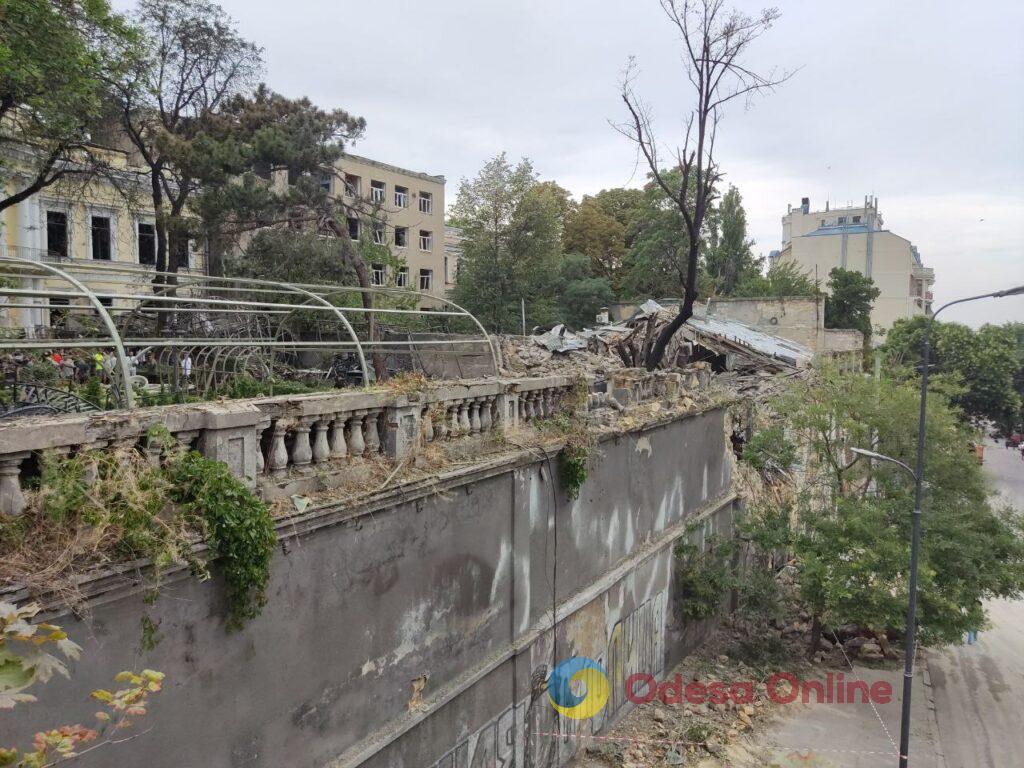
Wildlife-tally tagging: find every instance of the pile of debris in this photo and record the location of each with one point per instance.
(746, 358)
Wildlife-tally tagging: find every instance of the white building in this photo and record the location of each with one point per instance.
(854, 238)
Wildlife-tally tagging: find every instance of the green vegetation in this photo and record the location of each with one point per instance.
(770, 449)
(238, 525)
(982, 371)
(849, 301)
(704, 577)
(120, 504)
(853, 534)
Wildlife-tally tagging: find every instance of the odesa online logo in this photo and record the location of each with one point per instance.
(595, 693)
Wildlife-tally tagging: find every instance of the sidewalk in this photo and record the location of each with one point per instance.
(855, 735)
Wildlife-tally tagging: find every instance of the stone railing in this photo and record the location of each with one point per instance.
(288, 444)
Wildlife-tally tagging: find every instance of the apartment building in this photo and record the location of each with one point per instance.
(407, 217)
(855, 238)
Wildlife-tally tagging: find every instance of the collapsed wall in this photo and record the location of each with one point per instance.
(416, 628)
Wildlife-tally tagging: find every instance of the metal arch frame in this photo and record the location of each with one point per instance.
(115, 337)
(165, 298)
(495, 351)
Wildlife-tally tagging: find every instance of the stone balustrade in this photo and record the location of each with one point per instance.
(288, 444)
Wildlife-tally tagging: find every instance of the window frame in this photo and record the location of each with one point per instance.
(67, 231)
(353, 190)
(378, 274)
(428, 238)
(93, 215)
(428, 199)
(378, 194)
(429, 275)
(404, 232)
(138, 242)
(402, 277)
(358, 228)
(401, 197)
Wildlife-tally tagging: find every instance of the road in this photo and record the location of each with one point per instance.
(979, 689)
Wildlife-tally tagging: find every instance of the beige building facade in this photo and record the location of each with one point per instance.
(407, 216)
(855, 238)
(101, 231)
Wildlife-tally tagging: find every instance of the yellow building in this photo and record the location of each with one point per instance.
(102, 231)
(408, 218)
(854, 238)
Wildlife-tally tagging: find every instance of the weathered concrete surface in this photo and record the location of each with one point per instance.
(479, 588)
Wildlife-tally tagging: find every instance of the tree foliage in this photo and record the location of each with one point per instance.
(730, 259)
(985, 367)
(511, 225)
(55, 58)
(783, 279)
(849, 300)
(581, 294)
(599, 236)
(853, 537)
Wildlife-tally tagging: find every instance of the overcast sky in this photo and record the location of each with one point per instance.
(919, 103)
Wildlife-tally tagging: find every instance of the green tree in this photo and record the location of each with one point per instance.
(581, 294)
(196, 63)
(783, 279)
(853, 537)
(982, 370)
(598, 235)
(621, 204)
(729, 259)
(849, 301)
(55, 58)
(658, 258)
(511, 227)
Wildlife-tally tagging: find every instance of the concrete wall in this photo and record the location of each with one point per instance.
(479, 584)
(796, 318)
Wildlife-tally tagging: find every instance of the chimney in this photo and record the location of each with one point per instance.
(805, 204)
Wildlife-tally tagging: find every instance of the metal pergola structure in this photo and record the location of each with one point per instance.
(225, 326)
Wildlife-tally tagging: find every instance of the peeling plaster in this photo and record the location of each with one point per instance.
(643, 445)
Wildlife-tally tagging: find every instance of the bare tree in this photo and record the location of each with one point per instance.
(715, 40)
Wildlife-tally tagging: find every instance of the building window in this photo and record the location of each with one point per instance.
(426, 202)
(353, 228)
(377, 191)
(147, 243)
(57, 234)
(842, 220)
(378, 234)
(401, 237)
(59, 311)
(856, 219)
(426, 240)
(426, 279)
(100, 231)
(823, 222)
(402, 197)
(377, 275)
(183, 252)
(352, 185)
(325, 181)
(402, 277)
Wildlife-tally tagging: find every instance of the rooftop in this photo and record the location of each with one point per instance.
(395, 168)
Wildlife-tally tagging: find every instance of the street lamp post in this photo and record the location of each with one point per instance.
(915, 542)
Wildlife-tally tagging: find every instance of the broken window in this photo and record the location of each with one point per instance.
(378, 274)
(426, 202)
(856, 219)
(426, 279)
(57, 234)
(377, 191)
(402, 197)
(426, 240)
(100, 235)
(353, 228)
(402, 277)
(147, 243)
(352, 185)
(401, 237)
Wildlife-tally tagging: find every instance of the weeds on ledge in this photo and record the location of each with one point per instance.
(106, 507)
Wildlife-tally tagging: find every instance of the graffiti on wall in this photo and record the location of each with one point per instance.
(523, 736)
